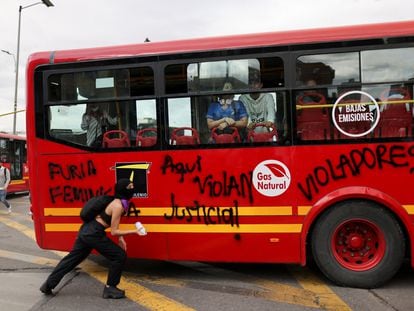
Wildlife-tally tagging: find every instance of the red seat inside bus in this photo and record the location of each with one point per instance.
(312, 119)
(115, 139)
(270, 133)
(185, 136)
(396, 116)
(231, 137)
(146, 137)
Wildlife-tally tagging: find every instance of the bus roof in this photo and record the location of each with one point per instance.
(291, 37)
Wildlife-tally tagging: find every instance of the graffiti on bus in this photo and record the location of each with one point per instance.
(353, 164)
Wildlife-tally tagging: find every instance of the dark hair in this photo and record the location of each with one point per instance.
(254, 77)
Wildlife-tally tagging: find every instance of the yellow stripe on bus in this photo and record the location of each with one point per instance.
(304, 210)
(409, 209)
(140, 166)
(191, 228)
(161, 211)
(17, 182)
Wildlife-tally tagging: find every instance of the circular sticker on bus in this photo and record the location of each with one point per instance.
(355, 113)
(271, 178)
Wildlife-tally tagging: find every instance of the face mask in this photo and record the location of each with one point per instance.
(226, 101)
(125, 204)
(95, 109)
(121, 191)
(128, 194)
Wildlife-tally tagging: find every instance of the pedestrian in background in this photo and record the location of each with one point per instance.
(4, 183)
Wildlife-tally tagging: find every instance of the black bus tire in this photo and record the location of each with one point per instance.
(358, 243)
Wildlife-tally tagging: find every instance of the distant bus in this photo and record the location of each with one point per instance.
(13, 154)
(326, 175)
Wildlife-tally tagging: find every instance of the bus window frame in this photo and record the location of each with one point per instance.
(356, 48)
(46, 71)
(284, 56)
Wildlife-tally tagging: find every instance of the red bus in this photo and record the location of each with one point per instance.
(326, 178)
(13, 154)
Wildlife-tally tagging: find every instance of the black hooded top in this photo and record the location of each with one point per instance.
(121, 191)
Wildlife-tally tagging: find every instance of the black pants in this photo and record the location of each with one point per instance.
(91, 236)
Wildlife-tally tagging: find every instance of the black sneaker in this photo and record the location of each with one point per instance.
(45, 289)
(113, 292)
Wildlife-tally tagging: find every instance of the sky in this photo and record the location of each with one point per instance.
(71, 24)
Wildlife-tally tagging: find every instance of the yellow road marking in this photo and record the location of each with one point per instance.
(269, 290)
(287, 294)
(19, 227)
(314, 294)
(327, 299)
(137, 293)
(28, 258)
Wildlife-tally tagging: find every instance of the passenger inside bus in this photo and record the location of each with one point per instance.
(96, 121)
(227, 118)
(260, 107)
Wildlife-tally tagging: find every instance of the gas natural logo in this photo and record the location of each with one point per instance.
(271, 178)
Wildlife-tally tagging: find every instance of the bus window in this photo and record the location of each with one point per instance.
(4, 151)
(335, 68)
(313, 115)
(65, 123)
(387, 65)
(396, 99)
(141, 81)
(395, 103)
(182, 122)
(188, 117)
(84, 105)
(146, 123)
(211, 76)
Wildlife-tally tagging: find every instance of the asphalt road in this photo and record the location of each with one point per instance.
(164, 285)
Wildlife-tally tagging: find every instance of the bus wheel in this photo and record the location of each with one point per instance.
(358, 244)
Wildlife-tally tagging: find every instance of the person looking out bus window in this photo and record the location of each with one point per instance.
(260, 106)
(4, 183)
(227, 112)
(92, 236)
(94, 121)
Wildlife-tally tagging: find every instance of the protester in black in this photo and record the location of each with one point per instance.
(92, 236)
